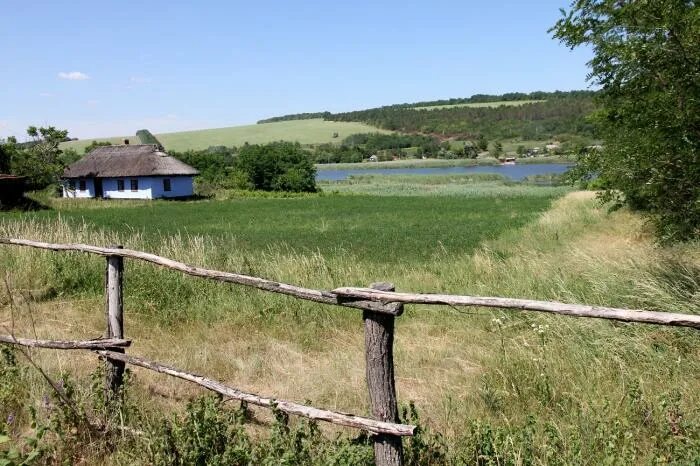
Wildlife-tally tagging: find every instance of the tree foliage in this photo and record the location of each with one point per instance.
(538, 120)
(94, 145)
(647, 64)
(41, 160)
(146, 137)
(278, 166)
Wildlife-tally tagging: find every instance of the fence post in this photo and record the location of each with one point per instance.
(114, 311)
(379, 357)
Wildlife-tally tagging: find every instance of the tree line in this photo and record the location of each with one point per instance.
(538, 120)
(277, 166)
(559, 112)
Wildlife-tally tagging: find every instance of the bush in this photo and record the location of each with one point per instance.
(278, 166)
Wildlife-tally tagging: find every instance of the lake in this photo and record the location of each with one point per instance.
(515, 172)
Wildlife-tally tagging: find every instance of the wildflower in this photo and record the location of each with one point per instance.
(10, 419)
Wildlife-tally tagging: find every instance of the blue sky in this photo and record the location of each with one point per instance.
(108, 68)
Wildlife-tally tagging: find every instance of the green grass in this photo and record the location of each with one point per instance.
(315, 131)
(508, 103)
(374, 229)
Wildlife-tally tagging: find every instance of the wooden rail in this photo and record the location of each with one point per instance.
(100, 343)
(575, 310)
(342, 419)
(380, 305)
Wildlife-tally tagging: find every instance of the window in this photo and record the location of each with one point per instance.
(82, 185)
(71, 185)
(120, 185)
(166, 184)
(134, 185)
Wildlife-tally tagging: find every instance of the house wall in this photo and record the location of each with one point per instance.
(110, 189)
(77, 193)
(180, 186)
(149, 187)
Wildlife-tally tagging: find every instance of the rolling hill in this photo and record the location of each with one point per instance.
(313, 131)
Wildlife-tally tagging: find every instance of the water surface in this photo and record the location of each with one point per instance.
(515, 172)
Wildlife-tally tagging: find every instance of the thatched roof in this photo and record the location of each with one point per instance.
(127, 160)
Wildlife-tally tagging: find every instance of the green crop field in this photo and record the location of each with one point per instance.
(314, 131)
(508, 103)
(370, 228)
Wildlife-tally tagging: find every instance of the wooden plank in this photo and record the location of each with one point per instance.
(575, 310)
(343, 419)
(114, 313)
(66, 344)
(228, 277)
(379, 360)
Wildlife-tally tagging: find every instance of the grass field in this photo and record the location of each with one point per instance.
(508, 103)
(314, 131)
(369, 228)
(500, 387)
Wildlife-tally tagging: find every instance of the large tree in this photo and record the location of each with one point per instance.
(647, 64)
(40, 159)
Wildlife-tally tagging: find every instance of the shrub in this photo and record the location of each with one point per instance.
(279, 166)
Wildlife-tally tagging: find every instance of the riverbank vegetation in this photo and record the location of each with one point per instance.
(646, 63)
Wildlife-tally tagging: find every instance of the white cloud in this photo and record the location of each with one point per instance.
(73, 75)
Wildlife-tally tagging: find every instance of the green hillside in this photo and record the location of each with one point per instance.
(314, 131)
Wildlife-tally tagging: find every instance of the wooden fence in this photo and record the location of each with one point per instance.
(380, 305)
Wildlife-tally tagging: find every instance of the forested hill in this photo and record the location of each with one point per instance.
(541, 114)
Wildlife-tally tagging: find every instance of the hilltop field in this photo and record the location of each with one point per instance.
(508, 103)
(490, 387)
(314, 131)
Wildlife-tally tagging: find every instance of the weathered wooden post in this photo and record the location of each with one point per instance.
(114, 311)
(379, 356)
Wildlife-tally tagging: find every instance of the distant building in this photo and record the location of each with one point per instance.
(138, 171)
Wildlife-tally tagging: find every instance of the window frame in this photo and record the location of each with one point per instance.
(82, 184)
(134, 184)
(120, 185)
(167, 185)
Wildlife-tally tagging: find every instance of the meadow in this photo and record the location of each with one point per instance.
(507, 103)
(385, 228)
(491, 387)
(315, 131)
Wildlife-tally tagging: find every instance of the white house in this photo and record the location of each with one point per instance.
(138, 171)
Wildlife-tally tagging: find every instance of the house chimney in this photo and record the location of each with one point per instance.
(126, 142)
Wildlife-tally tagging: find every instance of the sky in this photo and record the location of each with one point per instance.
(110, 68)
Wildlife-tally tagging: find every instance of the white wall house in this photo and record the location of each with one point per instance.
(126, 171)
